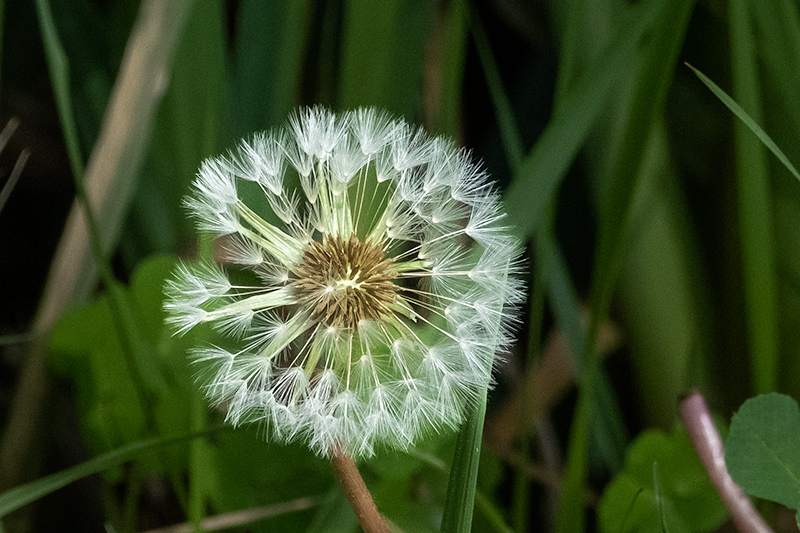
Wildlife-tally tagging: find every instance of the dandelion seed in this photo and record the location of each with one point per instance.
(375, 306)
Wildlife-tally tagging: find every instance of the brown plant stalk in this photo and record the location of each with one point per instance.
(357, 493)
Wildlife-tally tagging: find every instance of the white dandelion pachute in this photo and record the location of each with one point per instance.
(381, 293)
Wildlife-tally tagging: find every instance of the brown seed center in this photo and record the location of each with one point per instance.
(343, 281)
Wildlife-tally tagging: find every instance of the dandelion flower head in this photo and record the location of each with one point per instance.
(377, 282)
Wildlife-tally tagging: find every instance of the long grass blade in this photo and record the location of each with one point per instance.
(543, 170)
(267, 63)
(383, 53)
(445, 70)
(653, 80)
(755, 207)
(118, 151)
(18, 497)
(460, 501)
(748, 121)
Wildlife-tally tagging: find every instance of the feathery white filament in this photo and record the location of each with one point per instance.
(376, 304)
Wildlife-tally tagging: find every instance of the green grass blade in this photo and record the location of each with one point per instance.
(267, 63)
(509, 133)
(748, 121)
(652, 82)
(460, 500)
(607, 427)
(383, 54)
(58, 66)
(449, 82)
(755, 207)
(542, 171)
(492, 514)
(15, 498)
(776, 29)
(462, 486)
(608, 430)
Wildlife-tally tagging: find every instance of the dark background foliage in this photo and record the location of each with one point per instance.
(659, 231)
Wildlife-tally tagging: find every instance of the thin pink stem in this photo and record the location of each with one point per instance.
(708, 444)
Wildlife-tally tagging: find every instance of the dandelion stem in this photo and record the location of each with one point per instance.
(357, 493)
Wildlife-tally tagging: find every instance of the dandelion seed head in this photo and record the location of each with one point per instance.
(382, 282)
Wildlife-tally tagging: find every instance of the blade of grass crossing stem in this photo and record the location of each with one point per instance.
(542, 171)
(653, 80)
(748, 121)
(59, 73)
(460, 500)
(119, 148)
(18, 497)
(752, 183)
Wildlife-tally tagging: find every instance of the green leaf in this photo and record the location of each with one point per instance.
(675, 497)
(762, 450)
(17, 497)
(86, 349)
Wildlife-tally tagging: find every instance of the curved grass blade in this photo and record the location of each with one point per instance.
(18, 497)
(748, 121)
